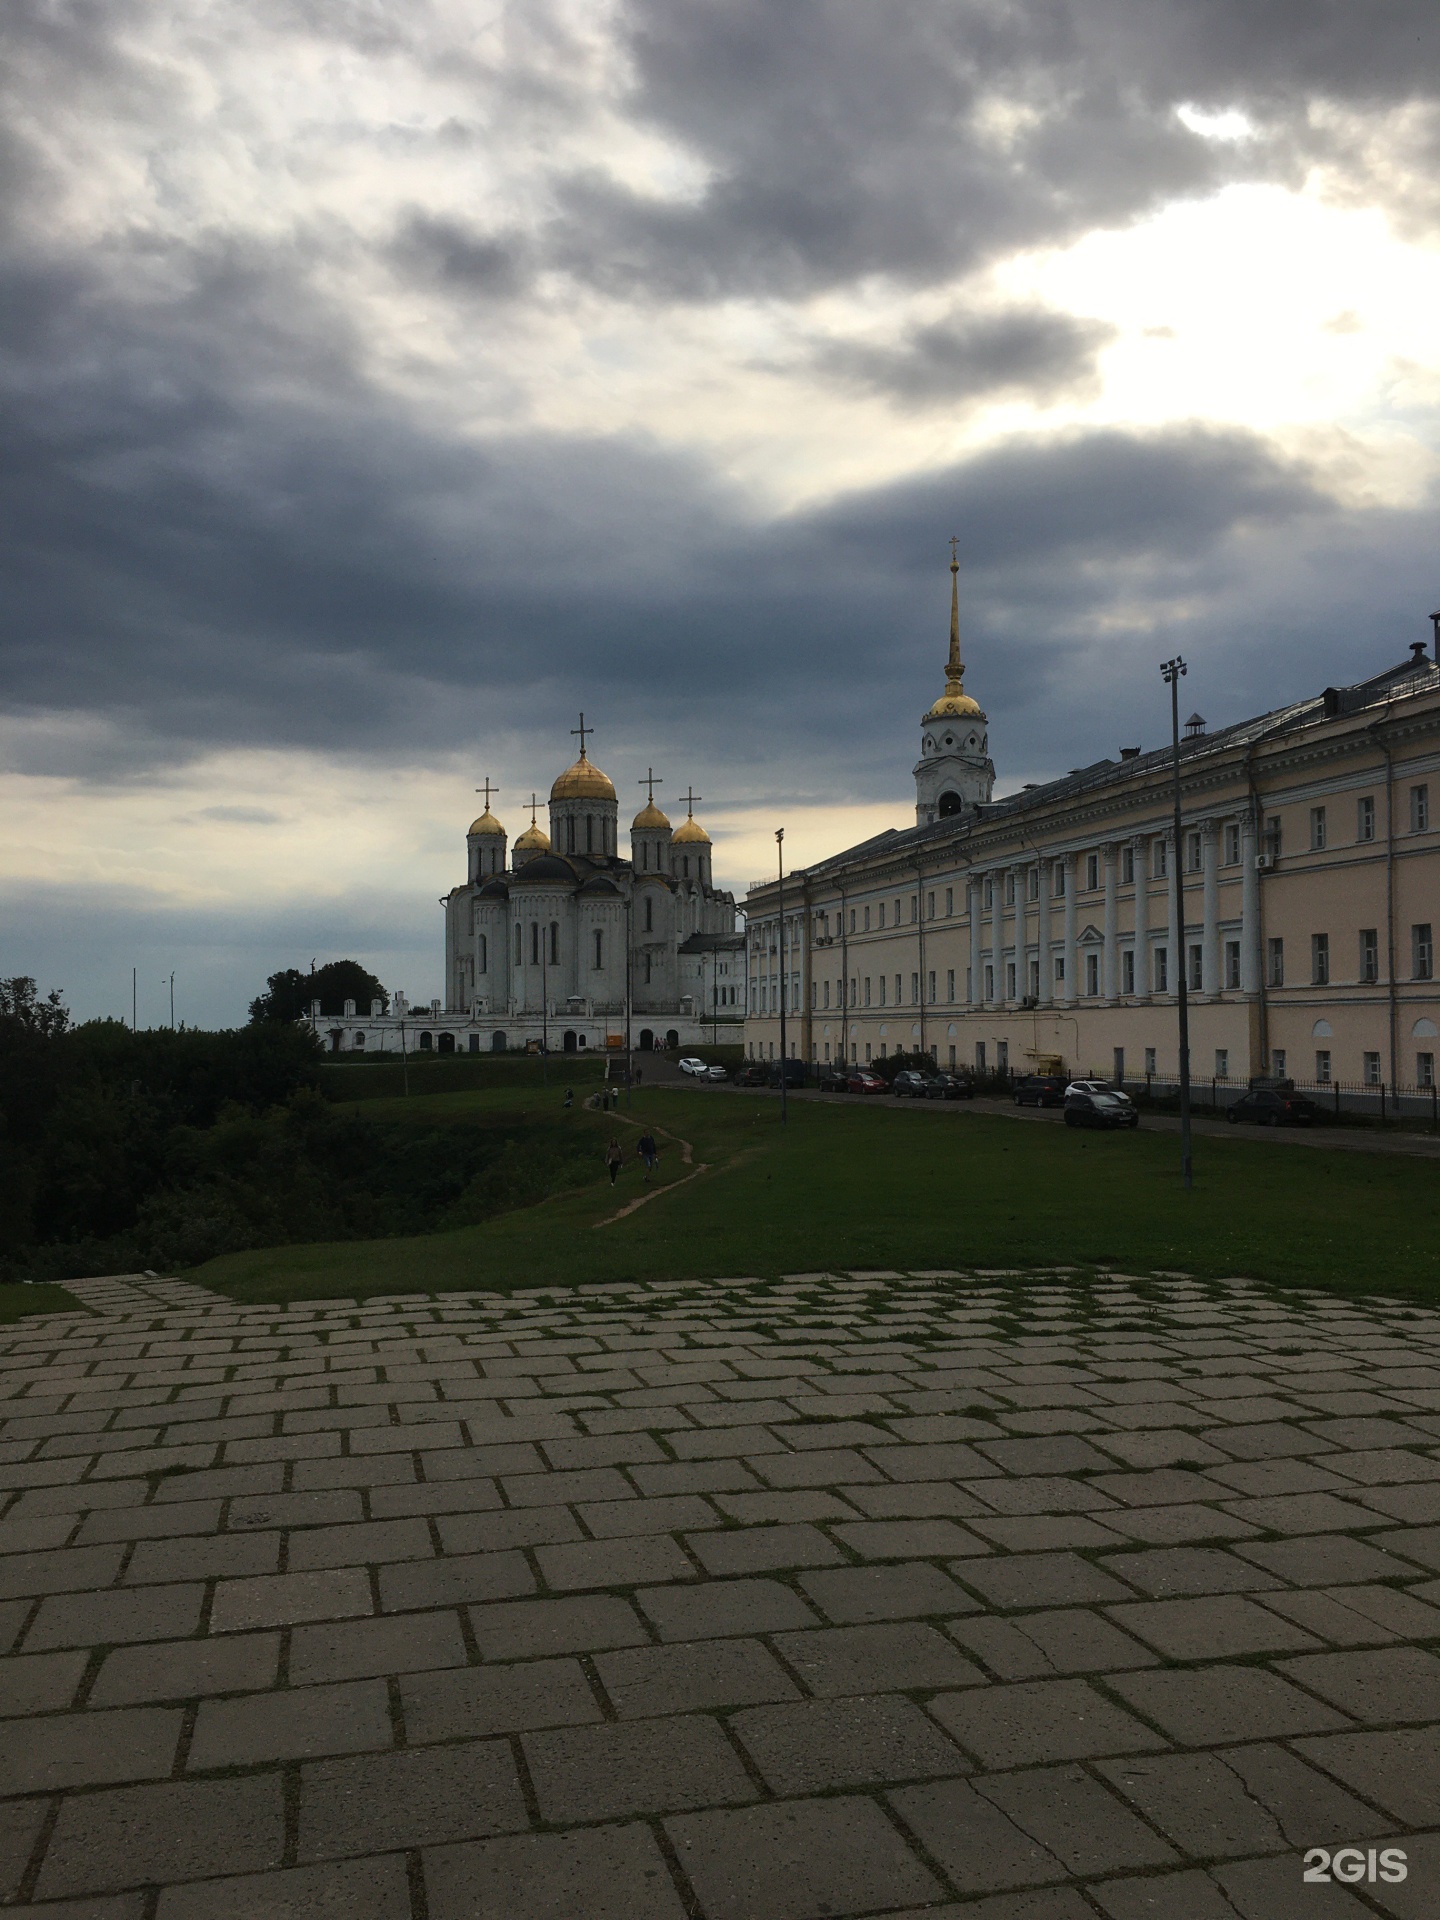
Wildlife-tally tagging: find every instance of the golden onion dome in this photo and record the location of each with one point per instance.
(487, 824)
(583, 781)
(691, 833)
(954, 704)
(533, 840)
(649, 818)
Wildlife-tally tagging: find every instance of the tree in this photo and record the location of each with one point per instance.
(288, 995)
(20, 1001)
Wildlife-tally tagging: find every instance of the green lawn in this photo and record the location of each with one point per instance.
(16, 1301)
(848, 1185)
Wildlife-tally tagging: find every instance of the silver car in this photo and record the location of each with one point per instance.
(1100, 1086)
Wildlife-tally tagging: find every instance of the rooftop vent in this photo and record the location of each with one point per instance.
(1417, 653)
(1194, 727)
(1129, 753)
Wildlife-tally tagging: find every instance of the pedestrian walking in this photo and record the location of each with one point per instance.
(649, 1153)
(613, 1160)
(569, 1099)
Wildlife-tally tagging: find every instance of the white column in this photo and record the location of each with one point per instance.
(1110, 955)
(1042, 933)
(1067, 867)
(1142, 916)
(1176, 886)
(1250, 955)
(1022, 930)
(1210, 938)
(975, 890)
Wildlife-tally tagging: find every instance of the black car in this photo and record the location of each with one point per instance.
(1041, 1090)
(949, 1086)
(793, 1072)
(755, 1075)
(1099, 1110)
(835, 1080)
(1269, 1107)
(912, 1085)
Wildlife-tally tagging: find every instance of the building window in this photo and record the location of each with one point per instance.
(648, 959)
(914, 989)
(929, 906)
(1424, 1069)
(1002, 1056)
(1127, 970)
(852, 919)
(1419, 809)
(867, 1053)
(1010, 889)
(1127, 865)
(1059, 969)
(880, 916)
(1149, 1060)
(1273, 836)
(554, 943)
(482, 954)
(1092, 872)
(932, 989)
(1365, 817)
(1369, 954)
(949, 901)
(1422, 952)
(825, 996)
(1162, 859)
(952, 1058)
(1032, 883)
(867, 919)
(969, 984)
(1232, 965)
(989, 983)
(914, 908)
(1372, 1069)
(519, 945)
(897, 913)
(980, 1056)
(1009, 979)
(1035, 979)
(1222, 1063)
(1277, 962)
(1319, 959)
(867, 990)
(950, 983)
(1162, 969)
(1057, 871)
(1092, 973)
(1232, 843)
(1192, 852)
(599, 948)
(1195, 973)
(649, 914)
(1317, 829)
(1277, 1062)
(1322, 1066)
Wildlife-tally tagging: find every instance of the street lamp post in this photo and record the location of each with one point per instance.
(1173, 672)
(784, 981)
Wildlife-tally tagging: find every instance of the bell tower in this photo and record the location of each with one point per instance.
(954, 770)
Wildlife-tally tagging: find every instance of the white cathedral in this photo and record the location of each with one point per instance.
(561, 942)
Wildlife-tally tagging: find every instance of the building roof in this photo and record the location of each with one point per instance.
(712, 943)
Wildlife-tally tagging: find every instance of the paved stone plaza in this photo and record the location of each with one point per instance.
(878, 1594)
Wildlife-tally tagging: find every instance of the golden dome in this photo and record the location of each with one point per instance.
(486, 824)
(650, 817)
(691, 833)
(583, 781)
(955, 704)
(533, 840)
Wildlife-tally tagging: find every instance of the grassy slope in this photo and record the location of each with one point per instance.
(17, 1301)
(847, 1185)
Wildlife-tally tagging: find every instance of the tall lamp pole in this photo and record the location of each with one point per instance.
(784, 981)
(1173, 672)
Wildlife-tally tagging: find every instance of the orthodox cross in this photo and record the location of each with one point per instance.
(690, 799)
(487, 790)
(650, 782)
(534, 804)
(954, 543)
(582, 730)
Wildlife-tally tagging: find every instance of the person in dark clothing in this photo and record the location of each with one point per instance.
(613, 1160)
(569, 1099)
(649, 1153)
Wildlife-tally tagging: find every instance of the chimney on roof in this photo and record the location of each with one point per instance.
(1435, 623)
(1194, 727)
(1129, 753)
(1417, 651)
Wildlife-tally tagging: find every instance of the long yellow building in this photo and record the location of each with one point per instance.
(1301, 901)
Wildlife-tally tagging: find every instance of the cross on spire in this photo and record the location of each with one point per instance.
(487, 790)
(650, 782)
(690, 800)
(954, 562)
(582, 730)
(534, 806)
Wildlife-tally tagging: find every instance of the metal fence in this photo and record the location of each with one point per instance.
(1350, 1099)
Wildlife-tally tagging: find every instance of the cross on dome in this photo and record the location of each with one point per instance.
(690, 800)
(487, 789)
(650, 782)
(582, 730)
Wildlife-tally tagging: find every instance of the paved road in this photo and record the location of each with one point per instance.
(838, 1595)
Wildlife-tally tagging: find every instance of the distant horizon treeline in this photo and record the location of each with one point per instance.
(122, 1151)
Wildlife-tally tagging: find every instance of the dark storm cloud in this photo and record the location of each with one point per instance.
(461, 259)
(1028, 350)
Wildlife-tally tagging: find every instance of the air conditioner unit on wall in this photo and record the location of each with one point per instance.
(1264, 862)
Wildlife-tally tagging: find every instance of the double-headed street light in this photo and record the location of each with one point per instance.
(1173, 672)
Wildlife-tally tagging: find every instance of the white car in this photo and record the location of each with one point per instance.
(691, 1065)
(1100, 1086)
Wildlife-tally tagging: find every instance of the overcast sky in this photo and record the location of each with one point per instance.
(384, 381)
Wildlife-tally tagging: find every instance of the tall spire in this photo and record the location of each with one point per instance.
(954, 671)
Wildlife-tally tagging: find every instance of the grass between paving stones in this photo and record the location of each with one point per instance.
(849, 1186)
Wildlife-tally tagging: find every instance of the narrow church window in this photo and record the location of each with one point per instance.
(685, 862)
(554, 943)
(599, 948)
(589, 833)
(570, 834)
(519, 944)
(481, 957)
(647, 969)
(534, 943)
(649, 917)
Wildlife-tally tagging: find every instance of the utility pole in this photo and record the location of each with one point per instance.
(134, 1000)
(784, 980)
(172, 1002)
(1173, 672)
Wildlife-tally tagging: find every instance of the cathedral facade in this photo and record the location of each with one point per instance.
(562, 941)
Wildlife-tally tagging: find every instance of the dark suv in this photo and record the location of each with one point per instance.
(1274, 1107)
(1099, 1110)
(910, 1084)
(950, 1086)
(1041, 1090)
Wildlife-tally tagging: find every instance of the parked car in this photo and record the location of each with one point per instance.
(1085, 1109)
(1099, 1086)
(1041, 1090)
(689, 1064)
(793, 1071)
(910, 1084)
(949, 1086)
(1268, 1107)
(716, 1072)
(863, 1081)
(835, 1080)
(754, 1075)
